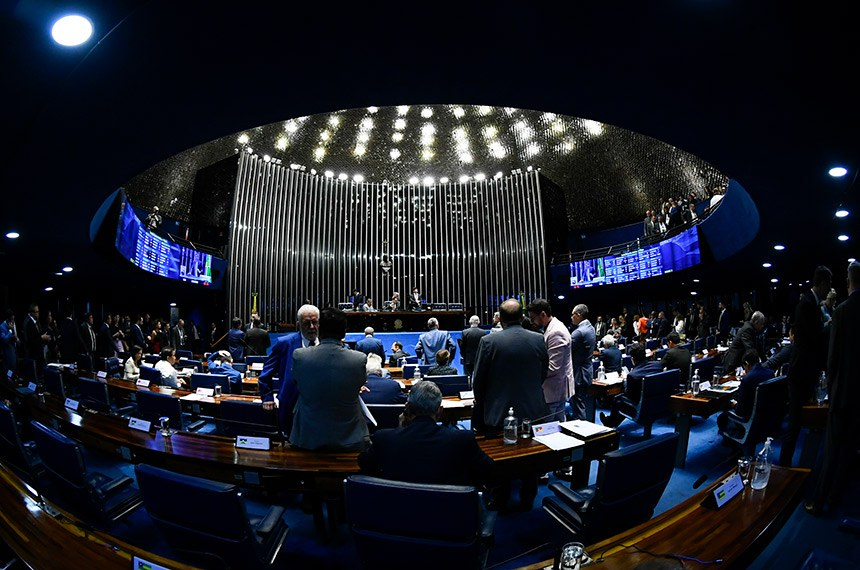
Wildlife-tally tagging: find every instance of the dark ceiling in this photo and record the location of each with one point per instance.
(759, 91)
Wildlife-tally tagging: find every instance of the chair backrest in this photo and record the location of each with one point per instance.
(241, 367)
(410, 360)
(441, 526)
(654, 398)
(151, 358)
(113, 367)
(621, 500)
(151, 374)
(409, 369)
(651, 343)
(386, 415)
(659, 354)
(705, 366)
(239, 417)
(253, 359)
(711, 341)
(63, 459)
(190, 363)
(768, 410)
(184, 354)
(85, 362)
(199, 515)
(627, 361)
(27, 370)
(11, 445)
(94, 394)
(152, 405)
(54, 382)
(698, 345)
(201, 380)
(451, 384)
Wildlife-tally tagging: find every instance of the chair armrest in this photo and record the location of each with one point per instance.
(194, 426)
(576, 500)
(488, 523)
(732, 416)
(126, 410)
(268, 522)
(115, 485)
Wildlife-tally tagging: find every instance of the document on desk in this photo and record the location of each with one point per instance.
(457, 403)
(612, 378)
(193, 397)
(558, 441)
(583, 429)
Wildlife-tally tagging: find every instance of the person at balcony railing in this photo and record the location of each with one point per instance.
(648, 223)
(660, 225)
(689, 214)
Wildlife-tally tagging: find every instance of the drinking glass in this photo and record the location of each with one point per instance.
(744, 465)
(164, 421)
(571, 556)
(527, 429)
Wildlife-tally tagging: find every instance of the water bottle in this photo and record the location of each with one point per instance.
(821, 391)
(761, 472)
(417, 376)
(510, 436)
(601, 372)
(696, 382)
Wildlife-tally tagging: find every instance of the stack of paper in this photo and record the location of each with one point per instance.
(583, 429)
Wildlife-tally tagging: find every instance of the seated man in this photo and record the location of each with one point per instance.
(610, 356)
(381, 388)
(677, 357)
(221, 362)
(442, 368)
(754, 374)
(396, 354)
(783, 357)
(422, 451)
(642, 367)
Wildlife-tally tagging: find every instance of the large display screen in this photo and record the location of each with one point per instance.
(157, 255)
(672, 254)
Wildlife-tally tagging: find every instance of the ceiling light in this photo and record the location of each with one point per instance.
(394, 154)
(72, 30)
(851, 260)
(59, 273)
(358, 178)
(561, 297)
(695, 280)
(843, 237)
(779, 247)
(413, 180)
(172, 304)
(443, 180)
(841, 213)
(68, 269)
(774, 280)
(426, 112)
(267, 158)
(243, 138)
(342, 176)
(767, 264)
(837, 172)
(372, 109)
(49, 288)
(329, 174)
(498, 175)
(693, 293)
(463, 179)
(13, 235)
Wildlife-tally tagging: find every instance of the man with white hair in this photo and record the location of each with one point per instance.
(221, 362)
(279, 366)
(433, 341)
(381, 387)
(469, 344)
(745, 340)
(610, 355)
(370, 345)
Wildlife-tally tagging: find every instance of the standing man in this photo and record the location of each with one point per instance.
(724, 323)
(35, 339)
(746, 339)
(600, 327)
(433, 341)
(104, 342)
(8, 343)
(329, 377)
(178, 336)
(236, 340)
(677, 357)
(469, 340)
(257, 337)
(582, 343)
(357, 300)
(843, 378)
(276, 379)
(559, 378)
(371, 345)
(137, 335)
(88, 335)
(809, 357)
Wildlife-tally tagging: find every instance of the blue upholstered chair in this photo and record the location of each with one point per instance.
(184, 354)
(150, 374)
(152, 405)
(618, 500)
(201, 380)
(386, 415)
(409, 370)
(19, 454)
(451, 384)
(239, 417)
(654, 398)
(705, 366)
(768, 411)
(197, 365)
(444, 526)
(207, 523)
(94, 395)
(91, 495)
(254, 359)
(113, 367)
(54, 382)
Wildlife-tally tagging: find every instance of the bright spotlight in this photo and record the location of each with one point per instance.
(837, 172)
(13, 235)
(68, 269)
(767, 264)
(841, 213)
(72, 30)
(843, 237)
(779, 247)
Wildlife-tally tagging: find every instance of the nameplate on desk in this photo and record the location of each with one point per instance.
(143, 383)
(141, 564)
(142, 425)
(205, 392)
(101, 374)
(32, 386)
(258, 366)
(249, 442)
(467, 395)
(704, 386)
(8, 374)
(726, 491)
(545, 429)
(72, 404)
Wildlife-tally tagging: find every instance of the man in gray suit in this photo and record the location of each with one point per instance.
(582, 343)
(469, 341)
(558, 385)
(433, 341)
(329, 377)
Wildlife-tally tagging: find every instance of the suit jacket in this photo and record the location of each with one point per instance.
(234, 376)
(328, 415)
(469, 341)
(70, 340)
(509, 372)
(104, 341)
(179, 340)
(369, 345)
(680, 358)
(279, 365)
(90, 341)
(258, 341)
(746, 395)
(843, 367)
(633, 387)
(600, 330)
(9, 347)
(433, 341)
(395, 357)
(724, 323)
(811, 341)
(582, 343)
(32, 340)
(411, 303)
(559, 376)
(611, 359)
(236, 343)
(743, 341)
(137, 336)
(383, 390)
(425, 452)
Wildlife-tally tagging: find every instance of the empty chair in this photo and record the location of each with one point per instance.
(184, 354)
(207, 523)
(19, 454)
(239, 417)
(113, 367)
(765, 421)
(93, 496)
(651, 343)
(200, 380)
(409, 370)
(151, 358)
(85, 362)
(451, 384)
(619, 499)
(711, 342)
(94, 395)
(444, 526)
(54, 382)
(152, 405)
(197, 365)
(150, 374)
(410, 360)
(627, 360)
(27, 370)
(654, 398)
(699, 345)
(241, 367)
(386, 415)
(705, 366)
(254, 359)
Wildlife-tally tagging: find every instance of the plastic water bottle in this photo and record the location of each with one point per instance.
(695, 383)
(417, 376)
(761, 471)
(821, 391)
(510, 436)
(601, 372)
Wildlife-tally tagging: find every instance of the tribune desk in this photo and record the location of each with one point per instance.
(686, 406)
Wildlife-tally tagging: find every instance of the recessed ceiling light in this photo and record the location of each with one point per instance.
(428, 181)
(841, 213)
(13, 235)
(779, 247)
(68, 269)
(49, 288)
(774, 280)
(843, 237)
(561, 297)
(172, 304)
(767, 264)
(72, 30)
(413, 180)
(693, 293)
(59, 273)
(443, 180)
(851, 260)
(837, 172)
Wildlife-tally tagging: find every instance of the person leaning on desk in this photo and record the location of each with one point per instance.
(754, 374)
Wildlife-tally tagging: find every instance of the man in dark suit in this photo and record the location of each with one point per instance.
(329, 376)
(754, 374)
(70, 339)
(469, 340)
(746, 339)
(257, 337)
(381, 387)
(34, 339)
(415, 300)
(724, 323)
(842, 435)
(88, 335)
(104, 342)
(236, 340)
(677, 357)
(808, 359)
(178, 338)
(610, 356)
(582, 344)
(137, 335)
(276, 379)
(422, 451)
(627, 401)
(396, 353)
(370, 345)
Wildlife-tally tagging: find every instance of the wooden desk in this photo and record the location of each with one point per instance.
(736, 533)
(814, 418)
(686, 406)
